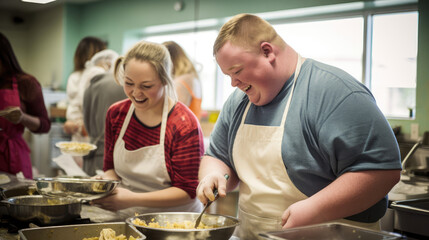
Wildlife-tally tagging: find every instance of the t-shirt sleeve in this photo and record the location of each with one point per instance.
(357, 137)
(221, 138)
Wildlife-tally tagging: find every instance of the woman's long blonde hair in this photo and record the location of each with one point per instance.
(181, 62)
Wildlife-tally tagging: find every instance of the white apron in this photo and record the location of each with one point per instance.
(144, 169)
(266, 190)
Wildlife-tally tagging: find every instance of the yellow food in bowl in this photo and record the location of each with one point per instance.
(75, 147)
(174, 225)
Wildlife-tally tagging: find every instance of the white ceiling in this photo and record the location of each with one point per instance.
(17, 6)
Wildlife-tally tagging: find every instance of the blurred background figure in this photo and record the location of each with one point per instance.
(21, 106)
(76, 85)
(187, 82)
(102, 92)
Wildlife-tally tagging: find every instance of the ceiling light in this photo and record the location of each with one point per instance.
(38, 1)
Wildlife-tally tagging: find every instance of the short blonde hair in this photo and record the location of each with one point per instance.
(155, 54)
(247, 31)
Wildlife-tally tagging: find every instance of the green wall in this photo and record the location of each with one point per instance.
(422, 96)
(113, 19)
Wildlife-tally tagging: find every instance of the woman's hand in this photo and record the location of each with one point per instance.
(120, 198)
(71, 127)
(15, 115)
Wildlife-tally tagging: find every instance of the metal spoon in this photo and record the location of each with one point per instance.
(216, 196)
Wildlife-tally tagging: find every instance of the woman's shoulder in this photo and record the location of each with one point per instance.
(181, 114)
(119, 108)
(26, 80)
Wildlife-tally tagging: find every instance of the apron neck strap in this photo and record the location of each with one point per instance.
(163, 121)
(297, 70)
(295, 77)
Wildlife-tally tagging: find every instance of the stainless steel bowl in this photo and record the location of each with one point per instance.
(42, 210)
(223, 226)
(78, 231)
(79, 188)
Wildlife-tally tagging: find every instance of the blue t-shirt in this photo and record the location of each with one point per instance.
(333, 126)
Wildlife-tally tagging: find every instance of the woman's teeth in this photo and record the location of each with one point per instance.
(247, 88)
(139, 100)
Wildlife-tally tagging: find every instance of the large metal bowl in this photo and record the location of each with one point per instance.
(79, 188)
(42, 210)
(78, 231)
(223, 226)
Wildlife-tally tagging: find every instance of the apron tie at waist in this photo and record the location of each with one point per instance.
(7, 141)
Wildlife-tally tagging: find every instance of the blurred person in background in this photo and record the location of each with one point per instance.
(102, 92)
(187, 83)
(153, 143)
(21, 106)
(77, 82)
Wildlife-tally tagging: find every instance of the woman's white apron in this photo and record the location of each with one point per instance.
(144, 169)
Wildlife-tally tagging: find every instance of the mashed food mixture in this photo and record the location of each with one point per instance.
(109, 234)
(75, 147)
(168, 225)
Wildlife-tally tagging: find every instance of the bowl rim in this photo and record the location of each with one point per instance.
(74, 180)
(129, 221)
(68, 201)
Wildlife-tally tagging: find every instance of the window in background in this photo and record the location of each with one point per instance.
(198, 46)
(336, 42)
(390, 55)
(394, 63)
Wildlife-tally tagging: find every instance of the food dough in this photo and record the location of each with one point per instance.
(109, 234)
(4, 179)
(174, 225)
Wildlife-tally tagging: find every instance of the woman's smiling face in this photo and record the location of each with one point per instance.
(143, 85)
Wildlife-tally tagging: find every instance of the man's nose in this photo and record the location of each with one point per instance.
(234, 82)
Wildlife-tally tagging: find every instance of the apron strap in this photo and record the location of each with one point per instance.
(297, 70)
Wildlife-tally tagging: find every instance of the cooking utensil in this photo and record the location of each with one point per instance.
(79, 188)
(43, 210)
(330, 231)
(223, 226)
(78, 232)
(216, 196)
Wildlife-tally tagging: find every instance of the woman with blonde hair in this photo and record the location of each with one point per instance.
(187, 82)
(153, 143)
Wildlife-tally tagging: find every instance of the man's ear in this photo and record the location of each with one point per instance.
(267, 50)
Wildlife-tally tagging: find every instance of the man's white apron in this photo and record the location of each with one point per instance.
(266, 190)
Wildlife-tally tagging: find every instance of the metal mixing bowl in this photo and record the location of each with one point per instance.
(43, 210)
(79, 188)
(223, 226)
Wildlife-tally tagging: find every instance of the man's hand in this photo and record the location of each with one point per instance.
(210, 182)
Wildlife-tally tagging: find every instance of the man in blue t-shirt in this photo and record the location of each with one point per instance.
(305, 141)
